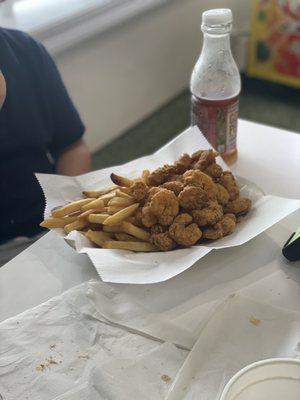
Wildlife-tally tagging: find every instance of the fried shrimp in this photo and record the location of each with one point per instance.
(209, 215)
(162, 241)
(164, 206)
(192, 197)
(239, 206)
(183, 232)
(198, 178)
(228, 181)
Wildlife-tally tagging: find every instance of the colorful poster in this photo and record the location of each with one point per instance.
(274, 51)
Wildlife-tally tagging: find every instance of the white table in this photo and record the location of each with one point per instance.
(268, 156)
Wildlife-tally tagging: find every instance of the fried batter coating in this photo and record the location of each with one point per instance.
(165, 206)
(158, 229)
(222, 195)
(183, 164)
(214, 170)
(198, 178)
(228, 181)
(184, 232)
(228, 223)
(160, 175)
(139, 190)
(195, 156)
(175, 186)
(206, 158)
(239, 206)
(148, 218)
(162, 241)
(152, 192)
(222, 228)
(209, 215)
(193, 197)
(175, 177)
(184, 219)
(213, 232)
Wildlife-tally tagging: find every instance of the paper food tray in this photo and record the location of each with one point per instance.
(122, 266)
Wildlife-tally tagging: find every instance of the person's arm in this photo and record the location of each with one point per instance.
(74, 160)
(66, 144)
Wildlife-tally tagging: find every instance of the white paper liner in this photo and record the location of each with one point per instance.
(241, 331)
(89, 359)
(121, 266)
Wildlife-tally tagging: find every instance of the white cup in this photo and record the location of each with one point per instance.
(272, 379)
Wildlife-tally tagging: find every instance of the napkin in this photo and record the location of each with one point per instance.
(239, 333)
(122, 266)
(60, 350)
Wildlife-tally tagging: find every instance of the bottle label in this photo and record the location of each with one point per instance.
(217, 120)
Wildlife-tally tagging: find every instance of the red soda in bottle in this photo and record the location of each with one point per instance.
(216, 84)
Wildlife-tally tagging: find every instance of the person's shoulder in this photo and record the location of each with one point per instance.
(21, 40)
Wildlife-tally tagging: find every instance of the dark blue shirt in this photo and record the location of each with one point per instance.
(37, 122)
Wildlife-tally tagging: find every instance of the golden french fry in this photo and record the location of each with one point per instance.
(118, 217)
(125, 190)
(95, 204)
(145, 175)
(91, 193)
(119, 193)
(124, 237)
(121, 201)
(120, 180)
(107, 197)
(133, 246)
(133, 230)
(98, 237)
(52, 223)
(76, 226)
(113, 210)
(112, 229)
(97, 218)
(97, 193)
(86, 213)
(70, 208)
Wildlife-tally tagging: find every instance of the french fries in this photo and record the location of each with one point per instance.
(97, 193)
(95, 204)
(145, 175)
(133, 230)
(98, 237)
(119, 193)
(124, 237)
(76, 226)
(120, 216)
(112, 229)
(112, 210)
(120, 201)
(125, 190)
(107, 197)
(133, 246)
(132, 220)
(85, 214)
(70, 208)
(52, 223)
(97, 218)
(121, 180)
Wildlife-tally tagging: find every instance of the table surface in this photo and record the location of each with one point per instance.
(268, 156)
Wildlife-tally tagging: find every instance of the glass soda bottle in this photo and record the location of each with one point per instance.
(216, 84)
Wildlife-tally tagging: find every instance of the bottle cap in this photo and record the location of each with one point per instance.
(217, 16)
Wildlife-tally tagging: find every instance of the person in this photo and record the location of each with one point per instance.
(40, 131)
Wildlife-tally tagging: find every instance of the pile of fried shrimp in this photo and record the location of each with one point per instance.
(189, 202)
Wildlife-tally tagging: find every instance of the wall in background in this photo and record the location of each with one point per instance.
(118, 78)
